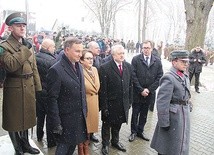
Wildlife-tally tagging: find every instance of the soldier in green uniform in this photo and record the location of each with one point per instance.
(21, 83)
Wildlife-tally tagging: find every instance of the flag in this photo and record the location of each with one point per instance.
(2, 29)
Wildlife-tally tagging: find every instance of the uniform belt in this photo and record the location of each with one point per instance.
(180, 102)
(24, 76)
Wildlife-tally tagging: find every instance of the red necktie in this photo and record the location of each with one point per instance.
(120, 69)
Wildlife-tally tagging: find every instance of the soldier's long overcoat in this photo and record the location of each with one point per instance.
(19, 107)
(173, 88)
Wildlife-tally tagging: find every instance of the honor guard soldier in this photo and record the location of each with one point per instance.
(172, 132)
(20, 86)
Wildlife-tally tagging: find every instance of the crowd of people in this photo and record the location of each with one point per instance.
(65, 87)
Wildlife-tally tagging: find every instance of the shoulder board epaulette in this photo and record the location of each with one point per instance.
(1, 50)
(2, 47)
(2, 41)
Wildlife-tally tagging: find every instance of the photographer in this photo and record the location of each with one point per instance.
(196, 59)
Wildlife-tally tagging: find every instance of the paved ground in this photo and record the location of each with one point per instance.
(202, 126)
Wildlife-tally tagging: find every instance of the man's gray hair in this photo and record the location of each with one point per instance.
(115, 48)
(91, 44)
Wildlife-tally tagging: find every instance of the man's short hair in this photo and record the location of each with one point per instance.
(149, 41)
(70, 41)
(114, 48)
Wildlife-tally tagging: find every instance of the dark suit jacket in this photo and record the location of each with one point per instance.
(145, 76)
(97, 62)
(116, 91)
(107, 59)
(67, 101)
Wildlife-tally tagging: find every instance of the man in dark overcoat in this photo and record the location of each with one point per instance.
(45, 58)
(115, 97)
(95, 49)
(147, 73)
(20, 85)
(196, 59)
(172, 132)
(67, 99)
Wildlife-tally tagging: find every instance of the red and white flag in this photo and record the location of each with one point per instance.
(2, 28)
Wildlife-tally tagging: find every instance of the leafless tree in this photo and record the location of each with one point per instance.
(174, 18)
(105, 12)
(144, 19)
(197, 12)
(139, 19)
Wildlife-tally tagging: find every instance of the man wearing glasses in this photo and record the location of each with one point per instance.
(147, 73)
(172, 132)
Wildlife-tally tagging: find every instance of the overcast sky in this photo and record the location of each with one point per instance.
(47, 11)
(70, 12)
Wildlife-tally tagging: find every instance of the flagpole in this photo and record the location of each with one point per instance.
(27, 16)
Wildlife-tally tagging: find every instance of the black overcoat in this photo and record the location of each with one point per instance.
(67, 101)
(44, 60)
(116, 91)
(145, 76)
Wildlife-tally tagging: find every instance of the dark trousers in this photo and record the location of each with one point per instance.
(41, 112)
(40, 133)
(197, 75)
(115, 129)
(40, 122)
(139, 114)
(19, 140)
(152, 103)
(65, 149)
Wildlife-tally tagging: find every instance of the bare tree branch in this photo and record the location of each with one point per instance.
(105, 11)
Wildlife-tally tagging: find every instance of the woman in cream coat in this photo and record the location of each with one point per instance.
(92, 85)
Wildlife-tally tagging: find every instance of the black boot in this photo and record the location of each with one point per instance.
(14, 136)
(26, 145)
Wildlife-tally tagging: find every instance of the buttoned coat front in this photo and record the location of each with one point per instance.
(145, 76)
(92, 88)
(116, 91)
(67, 101)
(19, 107)
(175, 141)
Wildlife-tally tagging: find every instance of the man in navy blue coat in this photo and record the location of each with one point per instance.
(147, 73)
(67, 99)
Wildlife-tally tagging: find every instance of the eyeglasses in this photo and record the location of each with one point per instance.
(88, 58)
(146, 48)
(184, 61)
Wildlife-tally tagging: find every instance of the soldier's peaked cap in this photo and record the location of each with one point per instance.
(179, 54)
(16, 18)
